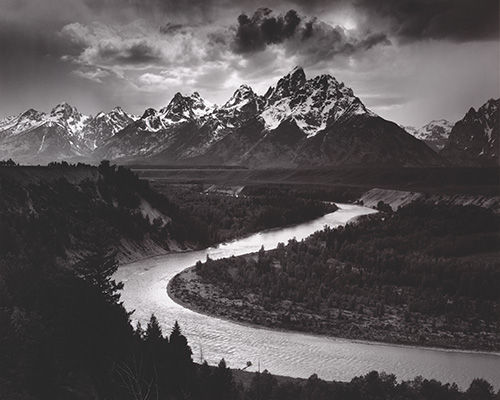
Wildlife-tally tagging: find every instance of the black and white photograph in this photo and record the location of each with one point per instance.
(249, 200)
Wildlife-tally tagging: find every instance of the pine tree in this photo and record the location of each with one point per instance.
(98, 270)
(153, 331)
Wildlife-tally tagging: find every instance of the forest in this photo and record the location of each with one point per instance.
(426, 275)
(214, 218)
(64, 333)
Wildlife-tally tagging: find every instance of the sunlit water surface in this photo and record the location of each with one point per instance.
(285, 353)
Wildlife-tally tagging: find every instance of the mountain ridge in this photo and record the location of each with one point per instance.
(298, 122)
(475, 139)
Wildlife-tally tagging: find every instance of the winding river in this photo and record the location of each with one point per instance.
(285, 353)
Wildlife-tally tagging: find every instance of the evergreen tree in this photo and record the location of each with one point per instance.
(98, 270)
(153, 331)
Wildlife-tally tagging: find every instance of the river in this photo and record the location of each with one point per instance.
(286, 353)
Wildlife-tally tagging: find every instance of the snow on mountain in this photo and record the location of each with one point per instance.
(69, 118)
(410, 129)
(243, 105)
(104, 125)
(64, 133)
(185, 108)
(298, 122)
(23, 122)
(316, 122)
(437, 129)
(434, 134)
(311, 104)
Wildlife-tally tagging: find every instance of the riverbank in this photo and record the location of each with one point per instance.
(391, 328)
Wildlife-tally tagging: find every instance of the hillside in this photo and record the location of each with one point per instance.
(70, 212)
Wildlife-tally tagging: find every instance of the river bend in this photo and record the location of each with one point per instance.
(286, 353)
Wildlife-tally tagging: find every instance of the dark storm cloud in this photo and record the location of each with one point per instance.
(130, 54)
(455, 20)
(172, 29)
(263, 28)
(299, 35)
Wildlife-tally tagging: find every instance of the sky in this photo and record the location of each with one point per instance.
(410, 61)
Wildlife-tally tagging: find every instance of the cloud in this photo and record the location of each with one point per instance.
(307, 38)
(135, 46)
(263, 28)
(92, 74)
(454, 20)
(172, 29)
(128, 53)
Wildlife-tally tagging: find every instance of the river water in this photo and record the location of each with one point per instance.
(285, 353)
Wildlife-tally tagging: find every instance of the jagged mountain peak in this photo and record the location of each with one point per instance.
(311, 104)
(118, 109)
(474, 140)
(242, 95)
(287, 86)
(63, 108)
(183, 108)
(32, 114)
(298, 122)
(489, 107)
(471, 114)
(297, 74)
(149, 112)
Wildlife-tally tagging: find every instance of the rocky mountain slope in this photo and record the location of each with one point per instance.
(298, 122)
(63, 134)
(434, 134)
(474, 140)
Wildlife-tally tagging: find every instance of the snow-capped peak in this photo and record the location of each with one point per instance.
(184, 108)
(435, 133)
(287, 86)
(200, 106)
(243, 95)
(149, 112)
(68, 117)
(25, 121)
(436, 129)
(312, 104)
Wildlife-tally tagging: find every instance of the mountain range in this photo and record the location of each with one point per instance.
(298, 122)
(63, 134)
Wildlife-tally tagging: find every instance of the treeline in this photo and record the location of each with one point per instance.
(8, 163)
(339, 195)
(433, 268)
(371, 386)
(65, 335)
(65, 217)
(214, 218)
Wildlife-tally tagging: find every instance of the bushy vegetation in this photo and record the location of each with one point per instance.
(425, 274)
(8, 163)
(65, 335)
(211, 218)
(371, 386)
(60, 217)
